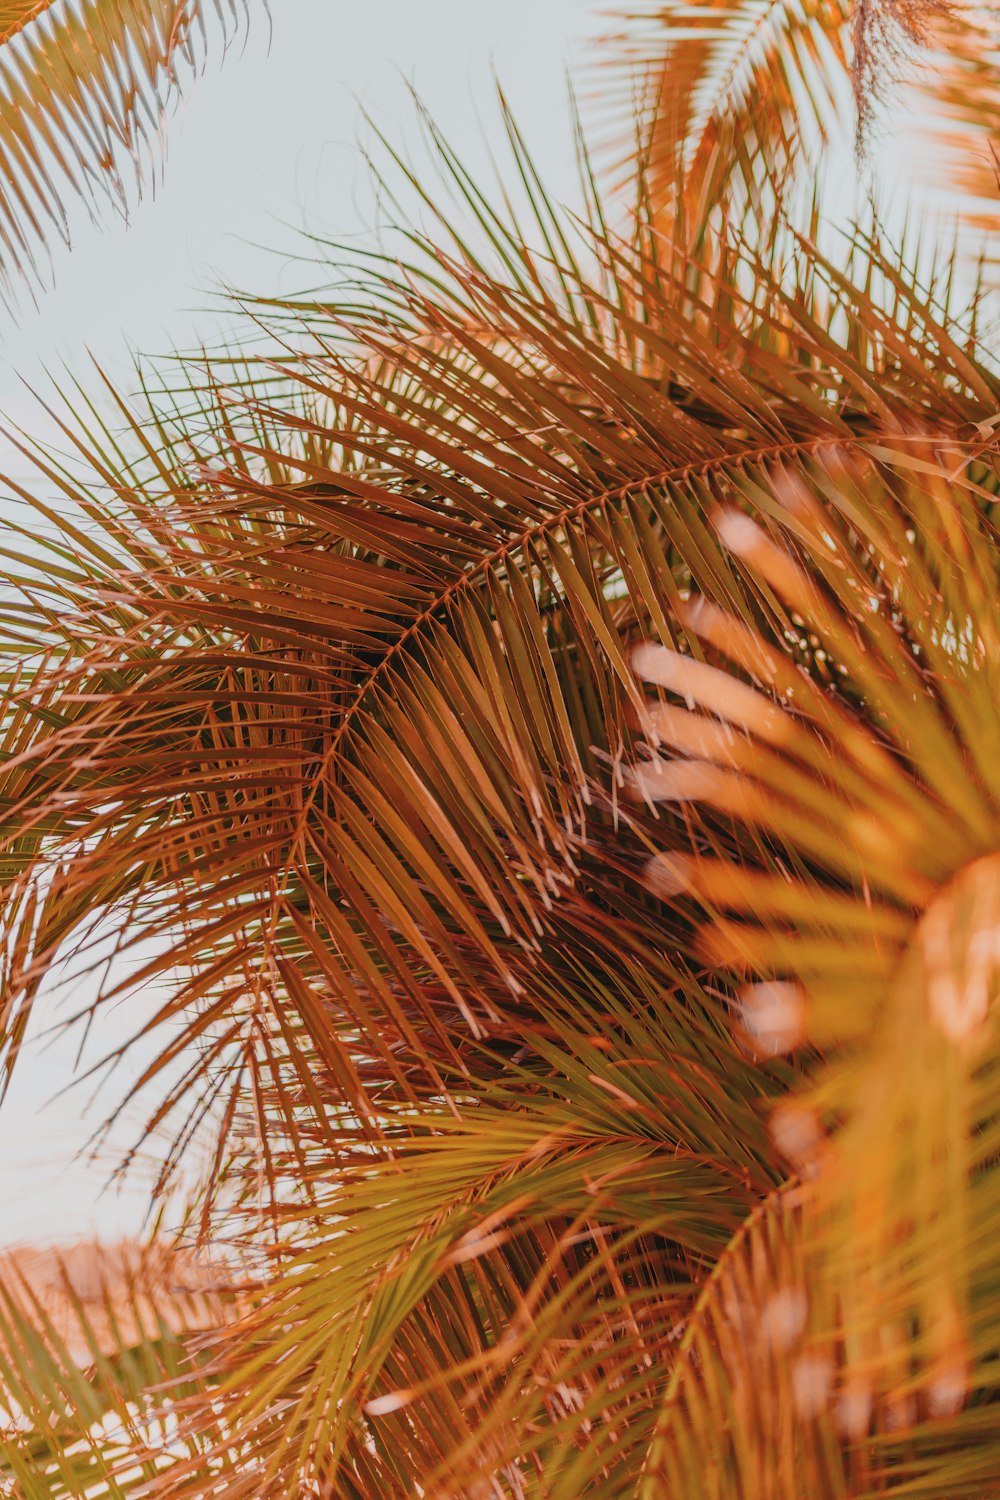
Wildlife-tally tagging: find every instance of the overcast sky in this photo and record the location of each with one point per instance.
(262, 145)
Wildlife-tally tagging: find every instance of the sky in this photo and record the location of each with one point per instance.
(264, 145)
(266, 142)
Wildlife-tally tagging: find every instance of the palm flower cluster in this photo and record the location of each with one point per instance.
(531, 719)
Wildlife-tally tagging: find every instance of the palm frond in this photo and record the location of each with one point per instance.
(85, 86)
(726, 101)
(873, 944)
(731, 108)
(321, 679)
(294, 747)
(93, 1353)
(437, 1296)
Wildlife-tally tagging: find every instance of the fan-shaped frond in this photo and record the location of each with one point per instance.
(867, 933)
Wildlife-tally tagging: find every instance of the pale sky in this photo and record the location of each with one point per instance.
(262, 145)
(267, 141)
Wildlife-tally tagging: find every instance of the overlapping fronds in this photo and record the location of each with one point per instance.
(94, 1345)
(737, 104)
(322, 679)
(351, 821)
(862, 747)
(492, 1300)
(84, 89)
(598, 1088)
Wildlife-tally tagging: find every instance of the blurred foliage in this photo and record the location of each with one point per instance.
(537, 704)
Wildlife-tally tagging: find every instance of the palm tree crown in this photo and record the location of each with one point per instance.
(539, 706)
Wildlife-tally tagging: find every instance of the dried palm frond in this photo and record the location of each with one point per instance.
(321, 680)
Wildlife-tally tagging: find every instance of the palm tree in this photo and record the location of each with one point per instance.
(84, 89)
(539, 708)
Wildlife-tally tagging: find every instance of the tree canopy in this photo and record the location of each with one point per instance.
(537, 705)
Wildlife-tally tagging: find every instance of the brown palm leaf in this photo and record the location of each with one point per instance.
(321, 682)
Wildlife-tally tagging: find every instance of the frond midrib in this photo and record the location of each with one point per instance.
(700, 468)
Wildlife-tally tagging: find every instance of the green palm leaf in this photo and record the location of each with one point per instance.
(92, 1353)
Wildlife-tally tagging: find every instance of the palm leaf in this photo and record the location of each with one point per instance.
(321, 680)
(436, 1308)
(873, 945)
(744, 1378)
(92, 1352)
(465, 651)
(85, 89)
(736, 104)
